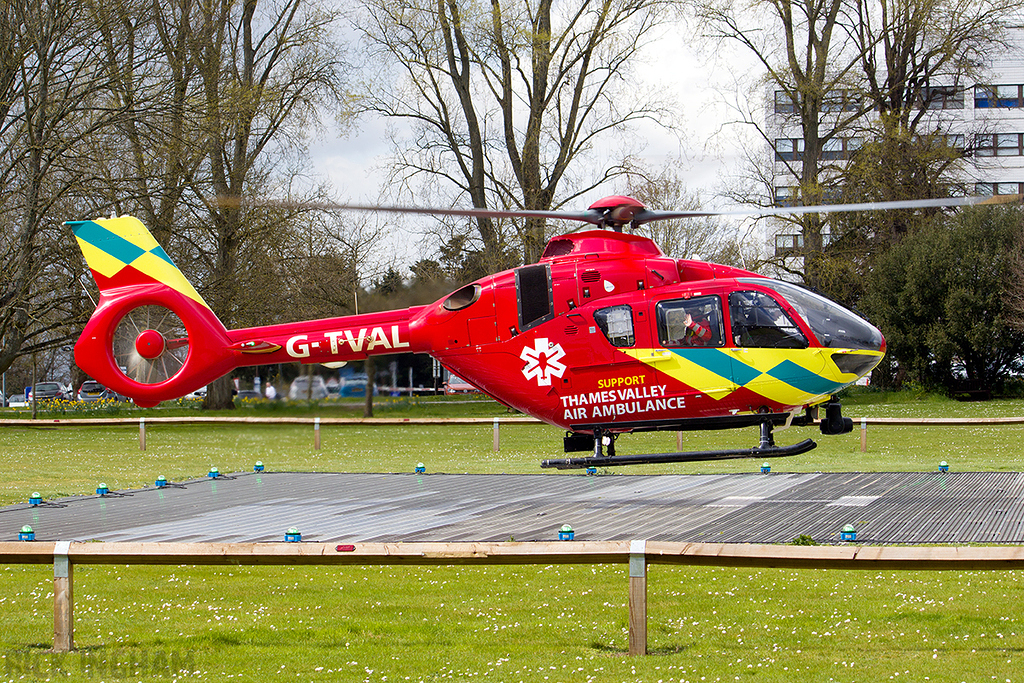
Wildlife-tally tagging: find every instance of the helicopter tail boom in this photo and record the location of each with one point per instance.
(332, 340)
(154, 338)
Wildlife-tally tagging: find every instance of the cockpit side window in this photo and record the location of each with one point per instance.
(616, 322)
(690, 322)
(759, 321)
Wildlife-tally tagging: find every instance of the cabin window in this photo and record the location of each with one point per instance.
(690, 322)
(616, 322)
(534, 296)
(759, 321)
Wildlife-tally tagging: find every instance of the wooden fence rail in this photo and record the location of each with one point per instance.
(311, 421)
(391, 421)
(637, 555)
(497, 423)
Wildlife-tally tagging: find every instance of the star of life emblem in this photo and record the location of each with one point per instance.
(543, 361)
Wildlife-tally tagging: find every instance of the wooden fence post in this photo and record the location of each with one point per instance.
(637, 598)
(316, 433)
(142, 433)
(63, 604)
(497, 436)
(863, 435)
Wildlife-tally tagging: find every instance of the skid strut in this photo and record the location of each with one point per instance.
(766, 448)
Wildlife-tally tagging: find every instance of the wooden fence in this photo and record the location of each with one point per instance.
(637, 555)
(315, 422)
(496, 422)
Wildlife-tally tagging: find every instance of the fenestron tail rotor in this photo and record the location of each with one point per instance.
(150, 344)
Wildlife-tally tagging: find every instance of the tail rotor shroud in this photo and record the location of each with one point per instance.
(150, 344)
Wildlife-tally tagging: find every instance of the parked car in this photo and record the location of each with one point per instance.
(198, 393)
(45, 391)
(248, 393)
(457, 385)
(299, 390)
(94, 391)
(16, 400)
(353, 386)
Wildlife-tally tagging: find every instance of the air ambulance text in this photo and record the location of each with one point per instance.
(631, 401)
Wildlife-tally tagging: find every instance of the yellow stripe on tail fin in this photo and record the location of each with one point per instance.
(121, 251)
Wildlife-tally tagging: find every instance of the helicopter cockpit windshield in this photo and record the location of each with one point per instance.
(758, 320)
(834, 326)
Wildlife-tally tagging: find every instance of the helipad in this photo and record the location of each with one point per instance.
(905, 507)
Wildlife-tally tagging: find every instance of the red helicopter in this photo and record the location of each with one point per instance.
(604, 335)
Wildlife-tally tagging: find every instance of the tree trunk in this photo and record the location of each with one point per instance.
(218, 394)
(371, 370)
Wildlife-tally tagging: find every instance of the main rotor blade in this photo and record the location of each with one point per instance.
(651, 215)
(643, 215)
(586, 216)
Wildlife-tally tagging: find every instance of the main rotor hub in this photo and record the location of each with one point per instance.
(617, 211)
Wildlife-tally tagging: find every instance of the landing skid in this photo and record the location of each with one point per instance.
(766, 448)
(696, 456)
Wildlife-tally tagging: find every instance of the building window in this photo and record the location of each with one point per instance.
(833, 149)
(784, 104)
(955, 141)
(789, 245)
(998, 96)
(942, 97)
(834, 101)
(841, 100)
(789, 149)
(787, 196)
(995, 189)
(840, 149)
(999, 145)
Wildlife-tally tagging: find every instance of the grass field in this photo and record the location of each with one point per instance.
(552, 623)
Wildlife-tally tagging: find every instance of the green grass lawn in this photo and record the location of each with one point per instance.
(545, 623)
(61, 461)
(556, 623)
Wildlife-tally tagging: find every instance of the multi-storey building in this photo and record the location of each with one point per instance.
(986, 119)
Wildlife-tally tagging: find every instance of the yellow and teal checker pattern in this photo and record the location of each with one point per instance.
(788, 376)
(112, 244)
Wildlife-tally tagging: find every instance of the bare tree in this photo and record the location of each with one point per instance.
(327, 264)
(52, 100)
(692, 238)
(507, 99)
(917, 59)
(265, 69)
(809, 62)
(916, 54)
(834, 64)
(160, 146)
